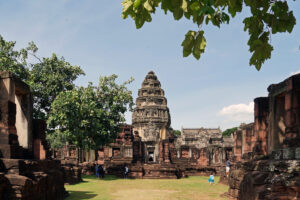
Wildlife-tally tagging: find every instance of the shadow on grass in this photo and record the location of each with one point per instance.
(80, 195)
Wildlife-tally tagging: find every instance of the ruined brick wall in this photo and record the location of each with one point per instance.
(275, 176)
(203, 159)
(244, 141)
(284, 124)
(261, 114)
(238, 142)
(249, 138)
(40, 145)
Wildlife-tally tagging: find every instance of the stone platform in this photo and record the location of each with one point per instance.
(31, 180)
(158, 171)
(265, 180)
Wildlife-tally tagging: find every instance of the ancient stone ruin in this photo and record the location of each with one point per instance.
(150, 148)
(268, 150)
(25, 173)
(151, 117)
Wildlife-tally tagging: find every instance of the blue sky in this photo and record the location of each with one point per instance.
(215, 91)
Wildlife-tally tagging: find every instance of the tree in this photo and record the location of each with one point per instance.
(89, 117)
(229, 131)
(267, 17)
(13, 60)
(47, 77)
(177, 132)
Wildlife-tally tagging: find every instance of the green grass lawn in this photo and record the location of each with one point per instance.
(112, 188)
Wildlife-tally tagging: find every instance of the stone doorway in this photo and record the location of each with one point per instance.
(151, 156)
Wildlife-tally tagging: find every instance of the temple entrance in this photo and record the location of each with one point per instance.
(151, 156)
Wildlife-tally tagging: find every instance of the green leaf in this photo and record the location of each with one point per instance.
(137, 3)
(261, 50)
(177, 14)
(188, 43)
(195, 6)
(199, 46)
(184, 6)
(127, 7)
(148, 7)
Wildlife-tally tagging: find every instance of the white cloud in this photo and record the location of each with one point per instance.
(237, 113)
(293, 73)
(238, 109)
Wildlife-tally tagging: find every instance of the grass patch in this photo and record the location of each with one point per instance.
(113, 188)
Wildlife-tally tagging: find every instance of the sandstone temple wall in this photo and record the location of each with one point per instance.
(272, 170)
(151, 150)
(25, 173)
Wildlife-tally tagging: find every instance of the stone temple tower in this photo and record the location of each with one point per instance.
(151, 117)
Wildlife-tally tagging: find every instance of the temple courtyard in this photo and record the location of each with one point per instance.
(192, 188)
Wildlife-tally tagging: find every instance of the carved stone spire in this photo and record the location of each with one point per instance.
(151, 117)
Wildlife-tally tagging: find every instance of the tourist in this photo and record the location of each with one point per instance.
(211, 179)
(101, 172)
(227, 167)
(97, 169)
(126, 172)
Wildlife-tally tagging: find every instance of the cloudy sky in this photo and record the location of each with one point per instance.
(218, 90)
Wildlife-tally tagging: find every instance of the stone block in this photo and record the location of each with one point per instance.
(259, 178)
(233, 193)
(18, 180)
(288, 153)
(297, 153)
(277, 154)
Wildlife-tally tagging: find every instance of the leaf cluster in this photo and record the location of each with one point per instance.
(177, 132)
(13, 60)
(229, 131)
(89, 117)
(47, 77)
(267, 17)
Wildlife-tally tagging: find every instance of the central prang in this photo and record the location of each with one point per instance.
(151, 117)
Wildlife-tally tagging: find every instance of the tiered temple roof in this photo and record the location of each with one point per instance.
(151, 116)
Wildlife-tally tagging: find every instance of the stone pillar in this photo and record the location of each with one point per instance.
(40, 147)
(238, 144)
(292, 136)
(261, 114)
(9, 145)
(137, 148)
(161, 152)
(166, 151)
(106, 153)
(217, 155)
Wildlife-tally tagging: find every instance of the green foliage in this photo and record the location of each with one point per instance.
(12, 60)
(267, 17)
(46, 78)
(177, 132)
(90, 117)
(229, 131)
